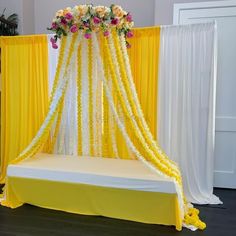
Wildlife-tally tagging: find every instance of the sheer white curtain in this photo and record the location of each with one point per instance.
(186, 104)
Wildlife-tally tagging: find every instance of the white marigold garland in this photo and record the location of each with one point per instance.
(84, 100)
(112, 127)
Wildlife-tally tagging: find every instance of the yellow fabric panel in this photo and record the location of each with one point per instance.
(24, 103)
(144, 56)
(146, 207)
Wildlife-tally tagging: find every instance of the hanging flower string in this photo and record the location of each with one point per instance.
(89, 18)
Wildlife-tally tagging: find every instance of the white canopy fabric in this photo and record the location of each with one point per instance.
(186, 117)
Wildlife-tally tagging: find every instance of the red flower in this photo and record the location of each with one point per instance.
(63, 21)
(114, 21)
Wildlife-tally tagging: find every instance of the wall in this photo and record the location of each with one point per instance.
(164, 10)
(28, 17)
(142, 11)
(35, 15)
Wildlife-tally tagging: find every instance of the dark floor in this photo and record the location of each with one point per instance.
(30, 220)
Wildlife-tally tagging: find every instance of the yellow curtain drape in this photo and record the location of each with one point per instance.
(144, 56)
(24, 97)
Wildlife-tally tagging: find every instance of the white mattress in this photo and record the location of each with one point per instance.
(115, 173)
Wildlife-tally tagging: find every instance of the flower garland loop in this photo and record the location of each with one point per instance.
(89, 18)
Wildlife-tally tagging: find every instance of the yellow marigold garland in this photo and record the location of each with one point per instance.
(105, 136)
(160, 164)
(90, 88)
(134, 107)
(122, 45)
(79, 91)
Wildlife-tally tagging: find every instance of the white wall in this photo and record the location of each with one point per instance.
(164, 10)
(142, 10)
(35, 15)
(28, 17)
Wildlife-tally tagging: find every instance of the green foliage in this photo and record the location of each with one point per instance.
(8, 26)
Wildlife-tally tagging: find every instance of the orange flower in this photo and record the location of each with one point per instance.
(118, 11)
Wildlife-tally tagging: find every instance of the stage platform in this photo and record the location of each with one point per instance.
(118, 188)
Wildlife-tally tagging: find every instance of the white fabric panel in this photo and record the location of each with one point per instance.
(107, 172)
(187, 80)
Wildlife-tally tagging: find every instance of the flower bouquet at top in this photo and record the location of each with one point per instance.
(90, 18)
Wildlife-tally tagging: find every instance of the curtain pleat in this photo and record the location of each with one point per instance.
(24, 96)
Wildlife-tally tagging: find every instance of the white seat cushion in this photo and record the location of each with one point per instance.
(107, 172)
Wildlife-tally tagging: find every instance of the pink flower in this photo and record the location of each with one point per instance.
(87, 35)
(106, 33)
(68, 16)
(96, 20)
(73, 28)
(54, 25)
(54, 45)
(114, 21)
(129, 34)
(52, 40)
(63, 21)
(129, 17)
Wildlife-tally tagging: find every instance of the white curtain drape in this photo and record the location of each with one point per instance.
(186, 104)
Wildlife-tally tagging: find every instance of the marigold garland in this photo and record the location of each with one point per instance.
(122, 98)
(148, 138)
(105, 119)
(148, 133)
(159, 165)
(90, 88)
(79, 112)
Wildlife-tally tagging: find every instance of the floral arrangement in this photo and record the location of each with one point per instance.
(90, 18)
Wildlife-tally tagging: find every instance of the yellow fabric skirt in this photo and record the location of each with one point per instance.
(140, 206)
